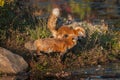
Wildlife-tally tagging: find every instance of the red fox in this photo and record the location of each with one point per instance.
(65, 30)
(52, 21)
(49, 45)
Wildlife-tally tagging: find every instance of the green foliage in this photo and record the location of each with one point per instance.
(2, 2)
(107, 41)
(81, 9)
(19, 39)
(39, 67)
(6, 16)
(42, 66)
(12, 16)
(110, 41)
(40, 30)
(16, 28)
(2, 34)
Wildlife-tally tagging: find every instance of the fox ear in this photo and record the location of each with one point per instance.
(82, 34)
(77, 28)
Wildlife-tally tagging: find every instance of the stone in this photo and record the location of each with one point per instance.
(11, 63)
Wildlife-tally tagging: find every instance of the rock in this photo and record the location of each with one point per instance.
(8, 78)
(17, 77)
(11, 63)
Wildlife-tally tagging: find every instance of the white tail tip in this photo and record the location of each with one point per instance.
(56, 11)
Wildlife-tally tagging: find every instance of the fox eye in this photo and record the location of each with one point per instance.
(65, 36)
(73, 38)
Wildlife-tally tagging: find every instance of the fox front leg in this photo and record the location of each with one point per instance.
(38, 53)
(62, 57)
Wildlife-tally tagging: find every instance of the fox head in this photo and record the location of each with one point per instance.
(66, 31)
(56, 12)
(80, 31)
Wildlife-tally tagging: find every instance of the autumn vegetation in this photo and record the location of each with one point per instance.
(18, 25)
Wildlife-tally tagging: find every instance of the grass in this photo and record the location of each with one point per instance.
(80, 9)
(3, 35)
(38, 32)
(96, 48)
(102, 45)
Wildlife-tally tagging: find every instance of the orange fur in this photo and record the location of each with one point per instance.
(80, 31)
(65, 30)
(49, 45)
(52, 21)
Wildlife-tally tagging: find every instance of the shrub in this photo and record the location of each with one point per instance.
(39, 31)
